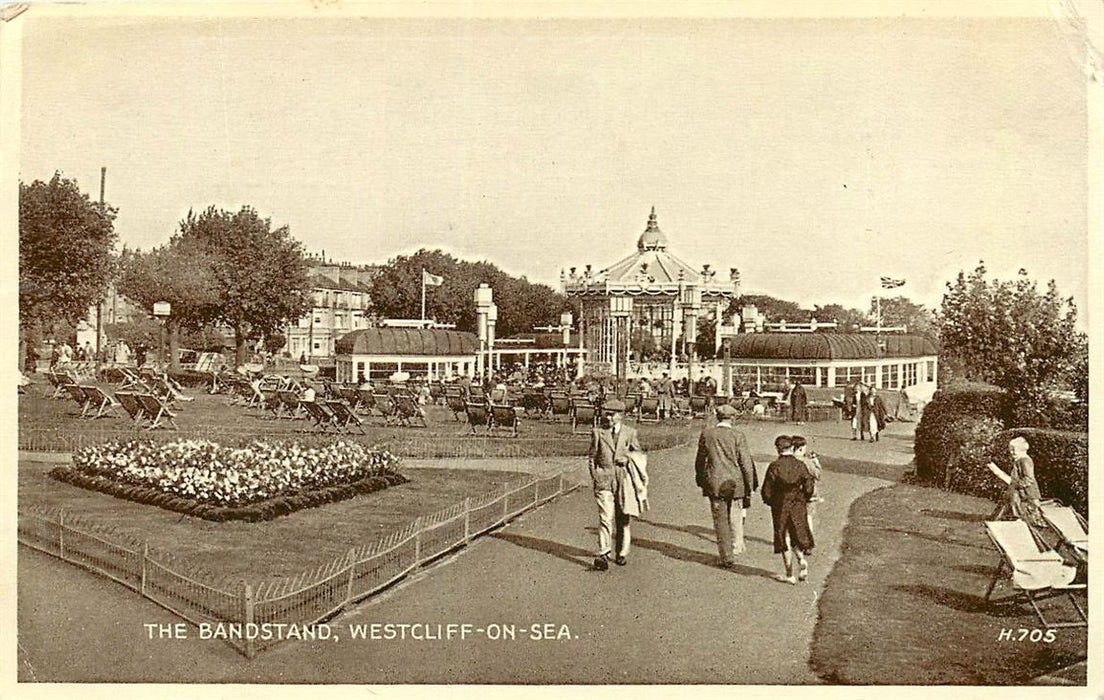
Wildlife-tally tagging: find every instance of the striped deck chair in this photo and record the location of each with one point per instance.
(75, 392)
(698, 404)
(1036, 571)
(345, 417)
(157, 411)
(99, 401)
(131, 405)
(320, 413)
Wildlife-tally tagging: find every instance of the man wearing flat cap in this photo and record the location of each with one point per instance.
(726, 473)
(617, 492)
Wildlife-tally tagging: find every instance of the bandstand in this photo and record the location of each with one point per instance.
(645, 307)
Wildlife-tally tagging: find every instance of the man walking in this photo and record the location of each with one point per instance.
(614, 489)
(666, 393)
(726, 473)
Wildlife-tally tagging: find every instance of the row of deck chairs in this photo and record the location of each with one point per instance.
(491, 417)
(1042, 562)
(143, 408)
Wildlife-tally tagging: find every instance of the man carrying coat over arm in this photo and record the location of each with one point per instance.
(726, 473)
(618, 486)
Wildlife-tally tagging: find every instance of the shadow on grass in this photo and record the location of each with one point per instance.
(955, 515)
(962, 602)
(857, 467)
(700, 531)
(934, 538)
(574, 555)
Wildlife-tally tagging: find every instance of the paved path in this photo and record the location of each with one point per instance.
(670, 616)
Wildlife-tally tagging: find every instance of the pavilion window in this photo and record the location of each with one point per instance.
(870, 374)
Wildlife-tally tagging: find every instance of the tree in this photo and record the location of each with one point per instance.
(848, 320)
(775, 309)
(65, 253)
(900, 311)
(180, 273)
(259, 273)
(1009, 334)
(522, 305)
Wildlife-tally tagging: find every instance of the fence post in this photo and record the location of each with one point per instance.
(505, 501)
(560, 484)
(418, 541)
(61, 534)
(536, 491)
(352, 570)
(247, 605)
(144, 556)
(467, 519)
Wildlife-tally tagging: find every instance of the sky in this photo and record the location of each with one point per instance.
(813, 155)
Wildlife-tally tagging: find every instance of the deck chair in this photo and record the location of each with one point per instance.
(60, 380)
(1035, 570)
(698, 405)
(384, 404)
(632, 404)
(131, 405)
(649, 409)
(322, 415)
(583, 413)
(455, 403)
(98, 401)
(478, 415)
(345, 417)
(504, 416)
(290, 405)
(75, 392)
(157, 411)
(366, 400)
(560, 405)
(532, 401)
(436, 393)
(407, 409)
(1070, 533)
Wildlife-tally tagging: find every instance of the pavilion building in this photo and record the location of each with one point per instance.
(645, 304)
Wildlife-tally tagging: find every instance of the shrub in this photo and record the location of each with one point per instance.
(939, 436)
(1061, 461)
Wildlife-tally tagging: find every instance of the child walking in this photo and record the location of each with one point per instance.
(787, 487)
(812, 463)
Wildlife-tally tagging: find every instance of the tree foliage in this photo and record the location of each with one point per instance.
(776, 309)
(1009, 334)
(522, 305)
(65, 252)
(258, 273)
(848, 320)
(901, 311)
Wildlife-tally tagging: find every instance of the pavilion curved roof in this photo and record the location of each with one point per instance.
(828, 346)
(407, 341)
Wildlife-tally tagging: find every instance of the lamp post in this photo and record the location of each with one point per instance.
(620, 310)
(484, 300)
(162, 310)
(691, 305)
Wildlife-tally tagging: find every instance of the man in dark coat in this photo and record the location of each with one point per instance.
(798, 402)
(725, 472)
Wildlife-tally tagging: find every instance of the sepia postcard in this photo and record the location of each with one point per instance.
(537, 348)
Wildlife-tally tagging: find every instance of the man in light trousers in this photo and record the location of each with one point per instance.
(613, 486)
(725, 471)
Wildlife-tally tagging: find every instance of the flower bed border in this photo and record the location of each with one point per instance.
(258, 511)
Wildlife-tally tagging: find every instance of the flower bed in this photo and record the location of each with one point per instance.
(260, 481)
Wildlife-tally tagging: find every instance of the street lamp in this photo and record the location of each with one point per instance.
(162, 310)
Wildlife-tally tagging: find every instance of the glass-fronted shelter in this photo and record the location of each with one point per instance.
(377, 353)
(769, 361)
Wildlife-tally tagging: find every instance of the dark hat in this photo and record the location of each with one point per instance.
(725, 411)
(614, 406)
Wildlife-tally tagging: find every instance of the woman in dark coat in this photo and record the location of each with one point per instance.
(787, 486)
(798, 402)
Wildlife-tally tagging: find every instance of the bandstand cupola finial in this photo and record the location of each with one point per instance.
(652, 238)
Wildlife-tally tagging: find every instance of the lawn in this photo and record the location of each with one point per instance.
(905, 602)
(55, 425)
(287, 545)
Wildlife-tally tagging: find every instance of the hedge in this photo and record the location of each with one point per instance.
(963, 429)
(941, 433)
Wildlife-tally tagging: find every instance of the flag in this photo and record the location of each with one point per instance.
(890, 283)
(432, 280)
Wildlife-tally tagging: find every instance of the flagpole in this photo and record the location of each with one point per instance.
(423, 293)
